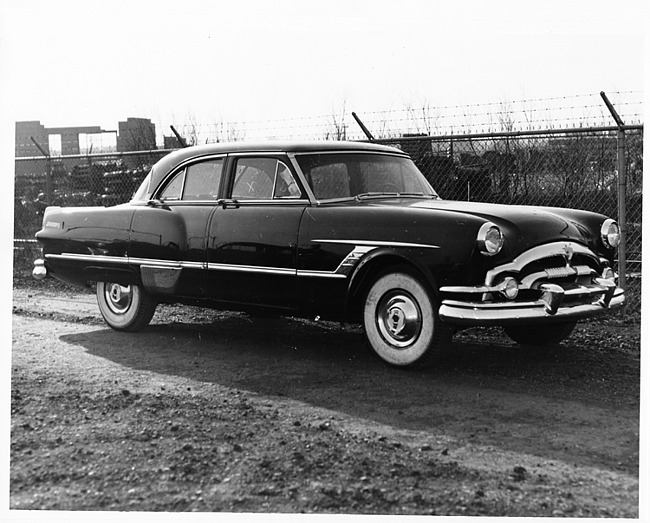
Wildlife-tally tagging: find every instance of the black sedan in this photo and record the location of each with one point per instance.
(337, 230)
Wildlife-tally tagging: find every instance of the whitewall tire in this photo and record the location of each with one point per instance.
(401, 322)
(125, 307)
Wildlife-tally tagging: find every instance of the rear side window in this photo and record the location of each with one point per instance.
(202, 180)
(198, 181)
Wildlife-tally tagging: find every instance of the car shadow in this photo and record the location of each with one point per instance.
(494, 393)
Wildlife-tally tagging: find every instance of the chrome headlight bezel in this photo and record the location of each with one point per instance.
(489, 239)
(610, 233)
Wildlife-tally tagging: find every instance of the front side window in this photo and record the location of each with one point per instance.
(264, 179)
(285, 183)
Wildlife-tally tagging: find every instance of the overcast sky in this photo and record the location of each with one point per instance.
(73, 63)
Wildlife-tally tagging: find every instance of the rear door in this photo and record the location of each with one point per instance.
(169, 236)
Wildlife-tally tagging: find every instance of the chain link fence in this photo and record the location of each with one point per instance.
(569, 168)
(88, 180)
(562, 168)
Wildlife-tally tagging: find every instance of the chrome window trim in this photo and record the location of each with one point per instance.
(398, 153)
(277, 201)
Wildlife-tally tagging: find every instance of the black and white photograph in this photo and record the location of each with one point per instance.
(302, 260)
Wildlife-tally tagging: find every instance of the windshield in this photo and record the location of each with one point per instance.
(358, 175)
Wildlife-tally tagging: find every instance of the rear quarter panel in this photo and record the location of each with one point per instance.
(96, 231)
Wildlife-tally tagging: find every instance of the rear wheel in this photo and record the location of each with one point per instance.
(401, 321)
(550, 334)
(125, 307)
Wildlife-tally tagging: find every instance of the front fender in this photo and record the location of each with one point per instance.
(381, 259)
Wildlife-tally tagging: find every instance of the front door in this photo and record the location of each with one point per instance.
(253, 235)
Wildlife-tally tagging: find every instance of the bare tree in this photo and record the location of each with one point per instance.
(506, 117)
(191, 130)
(424, 117)
(223, 131)
(381, 128)
(338, 129)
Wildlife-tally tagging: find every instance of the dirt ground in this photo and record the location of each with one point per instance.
(212, 411)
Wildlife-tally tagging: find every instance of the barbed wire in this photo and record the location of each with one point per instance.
(529, 114)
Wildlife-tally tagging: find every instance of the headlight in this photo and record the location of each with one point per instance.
(489, 239)
(610, 234)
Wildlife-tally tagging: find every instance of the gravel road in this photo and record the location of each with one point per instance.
(213, 411)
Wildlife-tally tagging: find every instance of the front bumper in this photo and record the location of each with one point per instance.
(555, 304)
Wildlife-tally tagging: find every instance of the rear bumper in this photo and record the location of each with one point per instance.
(40, 270)
(554, 305)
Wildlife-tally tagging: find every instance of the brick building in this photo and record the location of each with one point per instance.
(135, 134)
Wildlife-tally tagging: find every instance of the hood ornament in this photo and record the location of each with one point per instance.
(568, 252)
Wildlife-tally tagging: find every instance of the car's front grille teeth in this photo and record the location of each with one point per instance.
(557, 269)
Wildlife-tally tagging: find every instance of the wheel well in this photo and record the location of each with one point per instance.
(370, 271)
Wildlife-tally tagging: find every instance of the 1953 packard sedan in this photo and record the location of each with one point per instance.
(338, 230)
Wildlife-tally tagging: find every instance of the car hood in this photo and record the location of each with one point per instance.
(524, 226)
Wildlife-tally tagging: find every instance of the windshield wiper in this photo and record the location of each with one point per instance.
(364, 195)
(420, 194)
(374, 195)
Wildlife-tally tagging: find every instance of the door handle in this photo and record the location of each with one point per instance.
(228, 203)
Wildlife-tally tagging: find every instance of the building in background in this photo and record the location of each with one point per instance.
(134, 134)
(171, 142)
(25, 131)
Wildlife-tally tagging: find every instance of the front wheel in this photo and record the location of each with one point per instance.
(401, 322)
(125, 307)
(551, 334)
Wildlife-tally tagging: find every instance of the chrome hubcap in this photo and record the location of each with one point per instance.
(399, 319)
(118, 297)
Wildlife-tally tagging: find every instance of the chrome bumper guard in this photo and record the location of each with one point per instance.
(39, 271)
(602, 295)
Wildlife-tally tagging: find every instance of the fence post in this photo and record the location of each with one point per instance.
(48, 171)
(621, 166)
(622, 218)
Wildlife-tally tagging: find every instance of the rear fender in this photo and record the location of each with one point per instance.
(121, 276)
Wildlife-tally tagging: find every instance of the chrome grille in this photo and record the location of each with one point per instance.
(556, 261)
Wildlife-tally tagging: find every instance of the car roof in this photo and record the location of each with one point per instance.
(166, 163)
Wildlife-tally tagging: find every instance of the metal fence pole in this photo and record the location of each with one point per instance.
(621, 166)
(48, 171)
(622, 192)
